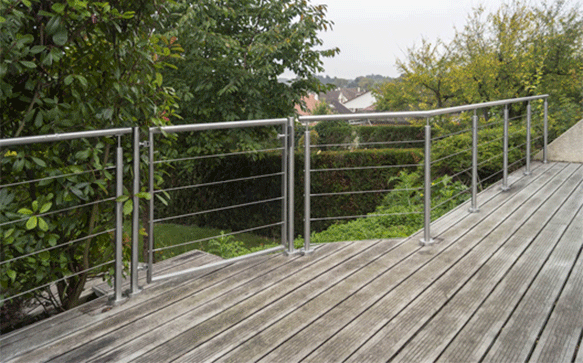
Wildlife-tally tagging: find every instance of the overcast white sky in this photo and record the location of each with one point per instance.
(372, 34)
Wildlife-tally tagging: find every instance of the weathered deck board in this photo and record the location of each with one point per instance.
(428, 344)
(565, 326)
(502, 284)
(388, 324)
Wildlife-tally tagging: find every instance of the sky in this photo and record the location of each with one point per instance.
(373, 34)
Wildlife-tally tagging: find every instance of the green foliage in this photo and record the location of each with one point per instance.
(340, 132)
(235, 51)
(70, 66)
(322, 108)
(518, 50)
(205, 171)
(400, 213)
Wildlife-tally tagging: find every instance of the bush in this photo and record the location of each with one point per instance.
(206, 171)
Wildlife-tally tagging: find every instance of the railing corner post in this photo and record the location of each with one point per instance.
(474, 203)
(427, 240)
(528, 123)
(291, 180)
(546, 130)
(134, 289)
(118, 276)
(307, 248)
(505, 186)
(150, 205)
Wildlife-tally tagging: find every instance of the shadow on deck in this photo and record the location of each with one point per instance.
(500, 284)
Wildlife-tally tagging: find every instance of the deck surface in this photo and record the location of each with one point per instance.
(503, 284)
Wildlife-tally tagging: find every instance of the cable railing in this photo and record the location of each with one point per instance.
(35, 235)
(430, 156)
(472, 150)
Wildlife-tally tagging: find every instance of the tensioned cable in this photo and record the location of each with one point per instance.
(57, 246)
(55, 177)
(60, 210)
(217, 209)
(451, 155)
(451, 198)
(490, 124)
(218, 182)
(369, 143)
(362, 216)
(369, 167)
(219, 236)
(452, 134)
(364, 192)
(490, 159)
(55, 281)
(215, 156)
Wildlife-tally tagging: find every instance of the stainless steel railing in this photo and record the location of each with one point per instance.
(428, 115)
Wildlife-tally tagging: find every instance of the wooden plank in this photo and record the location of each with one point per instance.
(518, 227)
(520, 333)
(279, 332)
(428, 344)
(163, 338)
(55, 339)
(476, 338)
(184, 261)
(287, 308)
(298, 346)
(516, 181)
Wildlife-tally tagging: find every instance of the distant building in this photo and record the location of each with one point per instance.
(362, 103)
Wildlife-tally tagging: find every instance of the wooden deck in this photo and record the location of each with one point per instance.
(503, 284)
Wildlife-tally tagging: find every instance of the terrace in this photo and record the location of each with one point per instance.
(502, 282)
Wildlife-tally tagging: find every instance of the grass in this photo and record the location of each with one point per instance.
(167, 235)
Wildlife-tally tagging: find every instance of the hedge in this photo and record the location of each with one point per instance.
(207, 171)
(342, 133)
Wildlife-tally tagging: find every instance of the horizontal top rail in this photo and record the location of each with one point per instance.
(218, 125)
(66, 136)
(418, 114)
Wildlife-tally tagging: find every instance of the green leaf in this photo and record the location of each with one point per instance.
(122, 198)
(128, 206)
(2, 19)
(42, 225)
(26, 3)
(68, 80)
(159, 79)
(31, 223)
(82, 80)
(45, 208)
(39, 162)
(25, 211)
(58, 8)
(28, 64)
(60, 37)
(35, 205)
(11, 274)
(144, 195)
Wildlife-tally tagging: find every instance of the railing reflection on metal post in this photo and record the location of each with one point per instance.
(528, 124)
(118, 224)
(307, 191)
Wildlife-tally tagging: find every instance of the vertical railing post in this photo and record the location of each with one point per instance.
(307, 190)
(151, 205)
(427, 201)
(134, 289)
(505, 186)
(528, 122)
(474, 202)
(118, 223)
(291, 161)
(284, 188)
(546, 130)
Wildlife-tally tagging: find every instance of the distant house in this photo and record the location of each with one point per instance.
(336, 99)
(310, 101)
(362, 103)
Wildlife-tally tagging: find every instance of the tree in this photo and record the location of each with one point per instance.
(517, 51)
(235, 50)
(69, 66)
